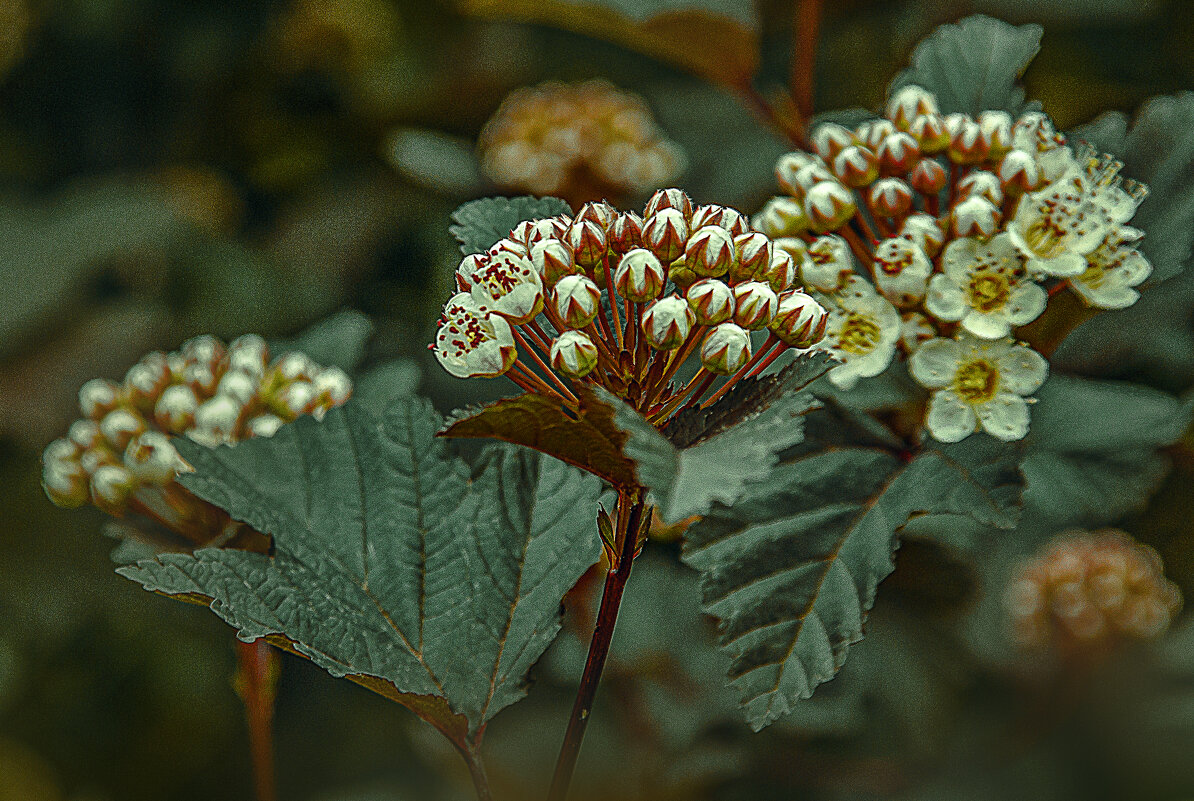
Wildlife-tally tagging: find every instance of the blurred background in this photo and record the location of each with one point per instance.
(173, 168)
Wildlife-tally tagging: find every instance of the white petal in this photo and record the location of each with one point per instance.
(1005, 417)
(1063, 266)
(987, 326)
(949, 419)
(1026, 303)
(958, 258)
(1021, 370)
(946, 300)
(935, 363)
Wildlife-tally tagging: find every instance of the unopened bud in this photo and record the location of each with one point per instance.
(670, 199)
(1019, 172)
(966, 144)
(856, 166)
(111, 488)
(981, 183)
(723, 217)
(781, 272)
(909, 102)
(755, 304)
(175, 409)
(333, 386)
(828, 206)
(296, 399)
(640, 276)
(84, 433)
(98, 397)
(151, 458)
(781, 216)
(873, 132)
(119, 426)
(576, 299)
(829, 139)
(788, 165)
(264, 425)
(216, 419)
(725, 349)
(799, 320)
(573, 354)
(665, 234)
(250, 354)
(667, 323)
(890, 197)
(897, 154)
(928, 177)
(995, 127)
(925, 232)
(754, 252)
(239, 385)
(929, 132)
(710, 252)
(626, 232)
(587, 240)
(975, 216)
(711, 300)
(552, 260)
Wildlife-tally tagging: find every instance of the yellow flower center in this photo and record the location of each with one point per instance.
(859, 335)
(976, 382)
(989, 291)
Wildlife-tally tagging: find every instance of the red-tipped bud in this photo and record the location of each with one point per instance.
(587, 240)
(890, 197)
(710, 252)
(828, 206)
(875, 132)
(1019, 173)
(898, 154)
(981, 183)
(626, 233)
(573, 354)
(725, 349)
(909, 102)
(799, 320)
(928, 177)
(856, 166)
(995, 128)
(755, 304)
(151, 458)
(975, 216)
(966, 144)
(721, 216)
(98, 397)
(711, 300)
(175, 409)
(781, 272)
(781, 216)
(929, 132)
(640, 276)
(788, 166)
(667, 323)
(552, 260)
(119, 426)
(577, 300)
(829, 139)
(665, 234)
(669, 199)
(111, 488)
(598, 212)
(754, 256)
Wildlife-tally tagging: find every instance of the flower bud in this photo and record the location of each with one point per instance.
(203, 349)
(293, 366)
(151, 458)
(754, 252)
(909, 102)
(239, 385)
(755, 304)
(827, 263)
(250, 354)
(98, 397)
(119, 426)
(146, 379)
(928, 177)
(111, 488)
(781, 216)
(599, 212)
(873, 132)
(84, 433)
(710, 252)
(681, 275)
(788, 165)
(216, 420)
(66, 484)
(828, 206)
(721, 216)
(63, 452)
(995, 128)
(829, 139)
(333, 386)
(966, 144)
(587, 240)
(626, 232)
(890, 197)
(925, 232)
(711, 300)
(670, 199)
(799, 320)
(573, 354)
(1019, 173)
(725, 349)
(472, 342)
(898, 154)
(640, 276)
(975, 216)
(263, 425)
(175, 409)
(929, 132)
(576, 300)
(667, 323)
(552, 260)
(808, 177)
(981, 183)
(529, 232)
(665, 234)
(781, 272)
(901, 271)
(856, 166)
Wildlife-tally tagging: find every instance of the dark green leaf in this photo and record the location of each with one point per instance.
(338, 341)
(792, 568)
(479, 224)
(388, 562)
(974, 65)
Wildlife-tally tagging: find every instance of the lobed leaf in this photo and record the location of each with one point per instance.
(479, 224)
(716, 39)
(389, 563)
(974, 65)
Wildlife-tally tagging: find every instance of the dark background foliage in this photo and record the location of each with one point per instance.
(171, 168)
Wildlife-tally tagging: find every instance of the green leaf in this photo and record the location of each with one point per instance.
(737, 442)
(677, 31)
(338, 341)
(435, 160)
(590, 440)
(389, 563)
(974, 65)
(792, 568)
(479, 224)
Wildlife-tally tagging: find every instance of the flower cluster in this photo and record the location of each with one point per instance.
(622, 301)
(1092, 587)
(553, 138)
(119, 455)
(935, 236)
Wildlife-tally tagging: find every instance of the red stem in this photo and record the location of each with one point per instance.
(630, 516)
(806, 28)
(256, 680)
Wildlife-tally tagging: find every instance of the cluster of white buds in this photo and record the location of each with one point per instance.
(946, 232)
(622, 301)
(119, 455)
(589, 139)
(1087, 588)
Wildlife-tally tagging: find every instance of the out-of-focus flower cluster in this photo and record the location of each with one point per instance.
(119, 454)
(584, 140)
(622, 300)
(1086, 588)
(935, 236)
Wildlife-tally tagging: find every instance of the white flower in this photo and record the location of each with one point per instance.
(861, 331)
(1033, 132)
(826, 264)
(507, 283)
(902, 270)
(1057, 226)
(985, 287)
(473, 342)
(1113, 268)
(976, 384)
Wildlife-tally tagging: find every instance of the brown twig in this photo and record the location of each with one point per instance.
(256, 683)
(806, 27)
